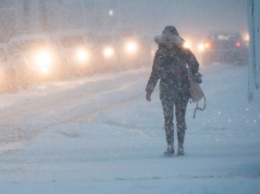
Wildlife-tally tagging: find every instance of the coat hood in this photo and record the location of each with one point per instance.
(170, 37)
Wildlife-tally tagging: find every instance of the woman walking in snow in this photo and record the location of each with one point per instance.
(170, 66)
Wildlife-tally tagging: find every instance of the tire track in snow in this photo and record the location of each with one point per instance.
(29, 116)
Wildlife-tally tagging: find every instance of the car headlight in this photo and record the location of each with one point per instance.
(82, 56)
(201, 47)
(187, 45)
(246, 37)
(43, 60)
(108, 52)
(131, 47)
(207, 45)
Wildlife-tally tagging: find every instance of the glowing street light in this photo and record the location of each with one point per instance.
(111, 12)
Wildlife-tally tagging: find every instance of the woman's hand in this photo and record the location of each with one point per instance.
(148, 96)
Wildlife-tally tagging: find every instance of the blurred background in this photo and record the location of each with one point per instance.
(47, 40)
(108, 16)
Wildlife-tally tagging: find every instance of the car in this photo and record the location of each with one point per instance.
(78, 50)
(36, 59)
(227, 47)
(7, 72)
(106, 54)
(134, 50)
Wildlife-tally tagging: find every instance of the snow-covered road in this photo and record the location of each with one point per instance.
(99, 135)
(25, 114)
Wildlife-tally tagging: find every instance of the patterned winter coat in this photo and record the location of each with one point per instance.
(170, 66)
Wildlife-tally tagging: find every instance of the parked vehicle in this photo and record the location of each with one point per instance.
(133, 50)
(78, 50)
(228, 47)
(7, 72)
(36, 59)
(106, 54)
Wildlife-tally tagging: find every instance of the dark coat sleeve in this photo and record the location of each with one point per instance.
(154, 77)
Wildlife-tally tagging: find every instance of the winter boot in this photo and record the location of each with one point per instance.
(180, 136)
(169, 151)
(180, 151)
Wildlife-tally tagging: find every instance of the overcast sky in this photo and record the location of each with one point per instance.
(186, 15)
(147, 16)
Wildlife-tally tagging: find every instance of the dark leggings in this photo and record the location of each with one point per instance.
(180, 105)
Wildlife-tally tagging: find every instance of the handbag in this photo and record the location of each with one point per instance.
(196, 93)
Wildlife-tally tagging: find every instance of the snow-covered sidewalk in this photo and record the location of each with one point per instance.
(99, 135)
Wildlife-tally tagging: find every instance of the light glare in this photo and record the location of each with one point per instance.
(131, 47)
(108, 52)
(82, 55)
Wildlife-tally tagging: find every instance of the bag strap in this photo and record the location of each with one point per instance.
(197, 103)
(199, 108)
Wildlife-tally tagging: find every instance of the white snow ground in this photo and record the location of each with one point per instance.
(99, 135)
